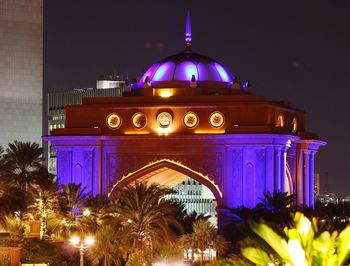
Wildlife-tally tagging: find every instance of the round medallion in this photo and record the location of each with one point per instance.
(164, 119)
(114, 121)
(216, 119)
(139, 120)
(190, 119)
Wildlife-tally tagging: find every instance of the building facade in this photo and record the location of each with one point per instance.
(21, 73)
(58, 100)
(189, 118)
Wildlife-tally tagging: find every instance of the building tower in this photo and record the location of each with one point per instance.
(21, 49)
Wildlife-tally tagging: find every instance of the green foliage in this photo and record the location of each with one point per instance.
(140, 258)
(204, 236)
(147, 217)
(36, 251)
(108, 246)
(301, 245)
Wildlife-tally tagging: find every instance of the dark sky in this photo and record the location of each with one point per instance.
(298, 51)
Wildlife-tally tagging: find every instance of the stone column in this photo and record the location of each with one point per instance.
(306, 150)
(278, 169)
(312, 179)
(306, 177)
(283, 174)
(300, 177)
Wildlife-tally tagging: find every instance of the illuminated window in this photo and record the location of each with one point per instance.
(164, 119)
(139, 120)
(295, 125)
(114, 121)
(280, 121)
(191, 120)
(216, 119)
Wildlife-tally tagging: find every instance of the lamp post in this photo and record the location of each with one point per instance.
(81, 245)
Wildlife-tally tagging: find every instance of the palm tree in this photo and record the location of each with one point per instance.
(99, 210)
(23, 163)
(148, 218)
(204, 236)
(24, 180)
(108, 246)
(276, 207)
(72, 198)
(12, 199)
(46, 205)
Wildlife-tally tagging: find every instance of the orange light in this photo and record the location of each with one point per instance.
(221, 131)
(165, 94)
(138, 132)
(113, 121)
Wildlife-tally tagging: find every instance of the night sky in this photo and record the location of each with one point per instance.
(297, 51)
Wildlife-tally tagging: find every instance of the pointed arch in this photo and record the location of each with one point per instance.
(145, 172)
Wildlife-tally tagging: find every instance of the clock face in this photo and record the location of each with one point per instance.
(216, 119)
(190, 120)
(139, 120)
(114, 121)
(164, 119)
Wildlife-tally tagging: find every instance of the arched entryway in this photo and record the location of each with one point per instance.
(179, 177)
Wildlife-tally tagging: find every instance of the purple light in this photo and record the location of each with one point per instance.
(150, 73)
(223, 73)
(188, 34)
(207, 72)
(164, 72)
(185, 70)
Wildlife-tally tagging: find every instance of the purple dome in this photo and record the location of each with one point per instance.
(182, 66)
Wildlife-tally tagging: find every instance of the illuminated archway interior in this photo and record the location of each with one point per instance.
(193, 194)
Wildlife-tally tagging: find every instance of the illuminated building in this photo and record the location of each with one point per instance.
(21, 68)
(189, 117)
(105, 87)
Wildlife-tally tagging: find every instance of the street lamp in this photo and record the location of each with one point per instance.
(81, 245)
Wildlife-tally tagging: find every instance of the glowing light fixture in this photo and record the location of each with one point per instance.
(191, 120)
(165, 93)
(114, 121)
(216, 119)
(86, 212)
(139, 120)
(280, 121)
(89, 240)
(164, 119)
(75, 240)
(82, 245)
(295, 125)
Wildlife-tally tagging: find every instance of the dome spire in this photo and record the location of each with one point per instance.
(188, 33)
